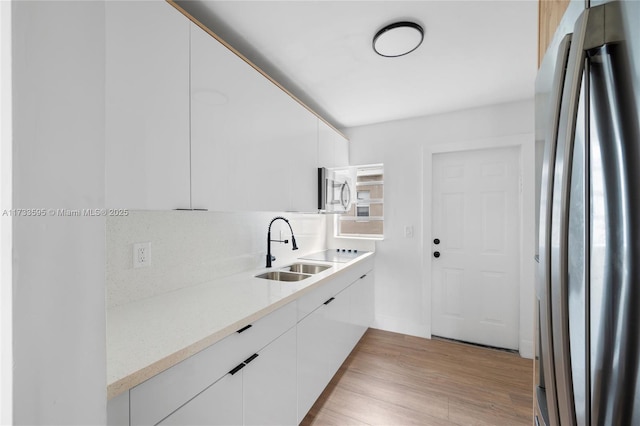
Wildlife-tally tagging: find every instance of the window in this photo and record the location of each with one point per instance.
(362, 210)
(365, 219)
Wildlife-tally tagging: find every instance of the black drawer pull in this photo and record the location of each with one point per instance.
(237, 368)
(363, 276)
(244, 328)
(251, 358)
(329, 301)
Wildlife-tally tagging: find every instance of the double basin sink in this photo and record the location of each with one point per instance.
(294, 272)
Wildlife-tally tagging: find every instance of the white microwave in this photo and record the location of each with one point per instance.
(335, 189)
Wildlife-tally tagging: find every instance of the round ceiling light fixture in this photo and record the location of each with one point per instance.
(398, 39)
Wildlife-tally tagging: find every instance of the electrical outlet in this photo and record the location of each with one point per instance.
(141, 255)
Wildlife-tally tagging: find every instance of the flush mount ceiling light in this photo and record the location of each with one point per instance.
(398, 39)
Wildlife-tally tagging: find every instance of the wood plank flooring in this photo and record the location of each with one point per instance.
(394, 379)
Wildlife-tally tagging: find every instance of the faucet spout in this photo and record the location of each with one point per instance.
(269, 240)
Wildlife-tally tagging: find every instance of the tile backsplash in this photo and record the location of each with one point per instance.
(190, 248)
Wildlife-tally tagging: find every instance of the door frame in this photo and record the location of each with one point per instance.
(526, 144)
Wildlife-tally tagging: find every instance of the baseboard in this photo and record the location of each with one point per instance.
(400, 325)
(404, 326)
(526, 348)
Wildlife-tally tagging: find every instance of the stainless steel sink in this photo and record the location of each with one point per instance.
(306, 268)
(283, 276)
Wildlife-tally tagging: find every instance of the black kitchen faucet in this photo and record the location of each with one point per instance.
(269, 240)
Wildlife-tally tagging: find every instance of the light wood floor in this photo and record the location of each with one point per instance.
(393, 379)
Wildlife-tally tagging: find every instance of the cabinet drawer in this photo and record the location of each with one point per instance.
(219, 405)
(267, 329)
(311, 301)
(159, 396)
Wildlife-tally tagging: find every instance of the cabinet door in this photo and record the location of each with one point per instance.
(314, 370)
(344, 332)
(218, 152)
(270, 384)
(362, 305)
(147, 106)
(341, 151)
(301, 159)
(219, 404)
(323, 344)
(253, 146)
(118, 410)
(333, 148)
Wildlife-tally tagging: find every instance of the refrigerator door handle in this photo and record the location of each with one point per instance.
(595, 27)
(615, 347)
(560, 222)
(544, 272)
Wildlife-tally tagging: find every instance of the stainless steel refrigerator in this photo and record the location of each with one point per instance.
(587, 369)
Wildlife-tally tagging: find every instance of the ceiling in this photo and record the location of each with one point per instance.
(475, 53)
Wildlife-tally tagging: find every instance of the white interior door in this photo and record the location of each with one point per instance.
(476, 218)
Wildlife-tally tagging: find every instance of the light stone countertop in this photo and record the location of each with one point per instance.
(149, 336)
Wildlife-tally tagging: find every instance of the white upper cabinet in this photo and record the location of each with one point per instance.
(252, 145)
(333, 148)
(301, 159)
(189, 124)
(147, 106)
(342, 150)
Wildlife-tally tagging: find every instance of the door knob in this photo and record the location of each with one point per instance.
(436, 241)
(436, 254)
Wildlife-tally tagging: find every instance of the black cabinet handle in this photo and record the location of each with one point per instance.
(329, 301)
(243, 364)
(436, 241)
(245, 328)
(237, 368)
(436, 254)
(251, 358)
(363, 276)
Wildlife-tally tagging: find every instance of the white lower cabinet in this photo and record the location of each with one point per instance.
(362, 304)
(262, 392)
(327, 336)
(159, 397)
(219, 404)
(270, 384)
(268, 374)
(316, 356)
(118, 410)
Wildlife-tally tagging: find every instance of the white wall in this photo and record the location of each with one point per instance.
(6, 223)
(402, 285)
(189, 248)
(58, 262)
